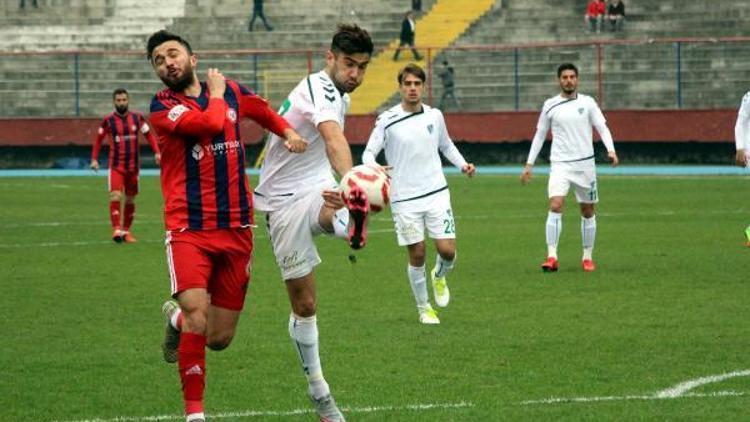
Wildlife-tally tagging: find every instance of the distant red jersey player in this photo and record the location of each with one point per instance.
(208, 207)
(122, 127)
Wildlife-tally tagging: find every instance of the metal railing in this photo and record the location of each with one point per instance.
(696, 73)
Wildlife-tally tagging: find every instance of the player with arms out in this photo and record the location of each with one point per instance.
(299, 194)
(413, 135)
(122, 126)
(742, 141)
(208, 209)
(570, 115)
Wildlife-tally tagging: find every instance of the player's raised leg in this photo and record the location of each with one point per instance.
(359, 207)
(346, 218)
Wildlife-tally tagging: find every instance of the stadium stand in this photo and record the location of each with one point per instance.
(638, 75)
(641, 75)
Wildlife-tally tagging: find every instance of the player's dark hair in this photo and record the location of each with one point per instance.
(119, 91)
(411, 69)
(566, 66)
(160, 37)
(350, 38)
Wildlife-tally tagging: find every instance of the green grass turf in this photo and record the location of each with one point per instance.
(668, 303)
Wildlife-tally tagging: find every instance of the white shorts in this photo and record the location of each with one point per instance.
(584, 181)
(292, 229)
(433, 213)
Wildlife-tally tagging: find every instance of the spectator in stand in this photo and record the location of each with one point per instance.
(22, 4)
(595, 15)
(416, 6)
(408, 33)
(258, 12)
(616, 12)
(446, 77)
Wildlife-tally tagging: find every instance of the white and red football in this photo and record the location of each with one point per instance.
(373, 180)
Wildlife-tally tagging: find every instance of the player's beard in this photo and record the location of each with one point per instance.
(342, 86)
(121, 109)
(180, 84)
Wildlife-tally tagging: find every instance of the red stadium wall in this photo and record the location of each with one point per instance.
(626, 125)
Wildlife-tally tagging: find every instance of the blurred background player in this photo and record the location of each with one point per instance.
(122, 127)
(742, 141)
(207, 205)
(413, 135)
(298, 194)
(571, 116)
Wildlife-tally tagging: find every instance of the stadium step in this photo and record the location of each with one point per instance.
(438, 28)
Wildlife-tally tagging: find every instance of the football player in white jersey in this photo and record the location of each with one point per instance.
(742, 141)
(570, 115)
(413, 136)
(299, 194)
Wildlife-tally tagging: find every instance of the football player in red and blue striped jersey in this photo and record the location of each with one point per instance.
(122, 127)
(208, 207)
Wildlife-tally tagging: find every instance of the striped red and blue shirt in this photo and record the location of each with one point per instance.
(124, 150)
(203, 178)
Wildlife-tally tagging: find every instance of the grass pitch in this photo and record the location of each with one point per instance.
(667, 304)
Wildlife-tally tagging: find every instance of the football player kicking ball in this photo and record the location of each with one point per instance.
(413, 135)
(571, 116)
(742, 141)
(207, 205)
(299, 194)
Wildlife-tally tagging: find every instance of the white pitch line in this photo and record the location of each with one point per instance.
(557, 400)
(294, 412)
(680, 390)
(58, 244)
(688, 385)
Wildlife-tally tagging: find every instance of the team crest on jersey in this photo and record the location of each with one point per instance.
(197, 152)
(581, 110)
(117, 139)
(429, 128)
(232, 115)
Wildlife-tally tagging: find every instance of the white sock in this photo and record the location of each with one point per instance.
(418, 282)
(554, 227)
(443, 266)
(588, 235)
(173, 320)
(340, 223)
(304, 334)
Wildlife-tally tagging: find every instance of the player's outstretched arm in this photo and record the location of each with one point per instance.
(337, 148)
